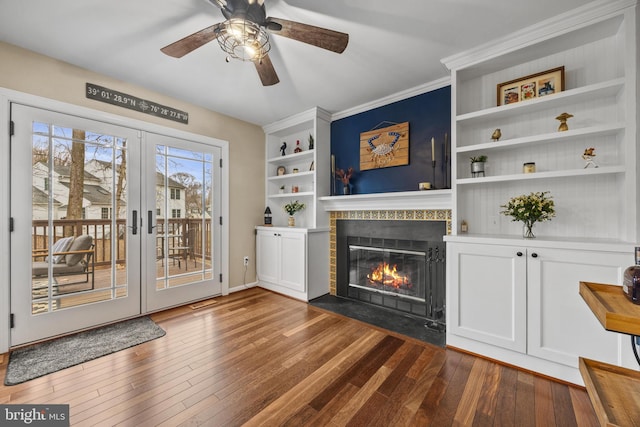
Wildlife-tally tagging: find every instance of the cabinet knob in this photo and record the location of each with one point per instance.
(534, 255)
(519, 253)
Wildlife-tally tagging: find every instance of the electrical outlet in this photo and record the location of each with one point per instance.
(246, 261)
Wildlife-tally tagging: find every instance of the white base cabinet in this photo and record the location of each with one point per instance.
(283, 261)
(517, 301)
(489, 303)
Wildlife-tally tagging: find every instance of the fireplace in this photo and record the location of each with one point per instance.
(399, 265)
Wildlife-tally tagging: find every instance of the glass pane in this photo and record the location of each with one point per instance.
(184, 210)
(78, 217)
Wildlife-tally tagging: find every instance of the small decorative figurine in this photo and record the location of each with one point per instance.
(267, 217)
(297, 149)
(283, 147)
(589, 154)
(310, 142)
(563, 121)
(496, 135)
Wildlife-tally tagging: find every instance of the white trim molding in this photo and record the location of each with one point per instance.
(429, 199)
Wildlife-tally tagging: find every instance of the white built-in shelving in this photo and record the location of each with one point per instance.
(312, 177)
(294, 260)
(530, 284)
(597, 45)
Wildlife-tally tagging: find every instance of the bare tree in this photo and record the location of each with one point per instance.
(76, 180)
(122, 174)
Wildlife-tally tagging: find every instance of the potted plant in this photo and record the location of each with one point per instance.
(282, 189)
(477, 165)
(291, 208)
(345, 177)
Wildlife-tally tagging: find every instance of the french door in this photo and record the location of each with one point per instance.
(108, 223)
(182, 206)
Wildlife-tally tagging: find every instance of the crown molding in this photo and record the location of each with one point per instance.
(308, 115)
(595, 11)
(405, 94)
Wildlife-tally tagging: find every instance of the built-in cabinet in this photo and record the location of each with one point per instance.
(523, 298)
(295, 260)
(282, 258)
(514, 299)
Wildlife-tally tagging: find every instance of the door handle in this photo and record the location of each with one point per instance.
(134, 221)
(150, 225)
(534, 255)
(519, 253)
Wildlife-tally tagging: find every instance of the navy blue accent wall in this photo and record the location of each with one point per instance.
(429, 115)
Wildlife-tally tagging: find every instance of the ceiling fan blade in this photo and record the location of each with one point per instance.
(190, 43)
(266, 71)
(334, 41)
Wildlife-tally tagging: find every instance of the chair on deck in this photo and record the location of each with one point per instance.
(71, 257)
(183, 250)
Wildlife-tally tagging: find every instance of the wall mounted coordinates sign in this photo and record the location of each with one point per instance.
(386, 147)
(113, 97)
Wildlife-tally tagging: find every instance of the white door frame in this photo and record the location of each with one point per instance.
(7, 96)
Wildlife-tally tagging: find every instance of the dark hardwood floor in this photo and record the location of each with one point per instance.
(261, 359)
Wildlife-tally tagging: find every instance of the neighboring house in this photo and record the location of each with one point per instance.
(175, 191)
(96, 200)
(40, 204)
(176, 198)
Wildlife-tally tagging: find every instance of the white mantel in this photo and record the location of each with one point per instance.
(429, 199)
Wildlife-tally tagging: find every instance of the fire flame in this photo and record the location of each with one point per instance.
(386, 275)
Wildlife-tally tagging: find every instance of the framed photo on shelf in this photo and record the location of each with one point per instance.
(282, 170)
(531, 87)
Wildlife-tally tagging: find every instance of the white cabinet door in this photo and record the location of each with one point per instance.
(268, 259)
(487, 295)
(293, 261)
(561, 327)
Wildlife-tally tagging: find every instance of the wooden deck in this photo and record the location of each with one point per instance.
(260, 359)
(74, 294)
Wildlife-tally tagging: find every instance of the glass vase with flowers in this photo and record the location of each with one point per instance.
(530, 208)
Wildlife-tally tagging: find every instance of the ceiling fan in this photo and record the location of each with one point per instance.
(245, 36)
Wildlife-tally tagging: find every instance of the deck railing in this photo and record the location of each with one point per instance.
(104, 231)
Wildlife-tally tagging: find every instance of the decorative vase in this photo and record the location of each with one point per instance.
(292, 221)
(527, 230)
(346, 189)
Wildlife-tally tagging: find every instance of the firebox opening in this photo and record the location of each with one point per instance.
(391, 272)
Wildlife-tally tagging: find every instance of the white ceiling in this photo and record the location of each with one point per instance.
(395, 45)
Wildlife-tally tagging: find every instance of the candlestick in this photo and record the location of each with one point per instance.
(333, 175)
(433, 149)
(446, 160)
(433, 168)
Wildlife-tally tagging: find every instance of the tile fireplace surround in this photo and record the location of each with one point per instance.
(377, 215)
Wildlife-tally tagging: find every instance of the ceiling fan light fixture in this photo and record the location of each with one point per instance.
(244, 40)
